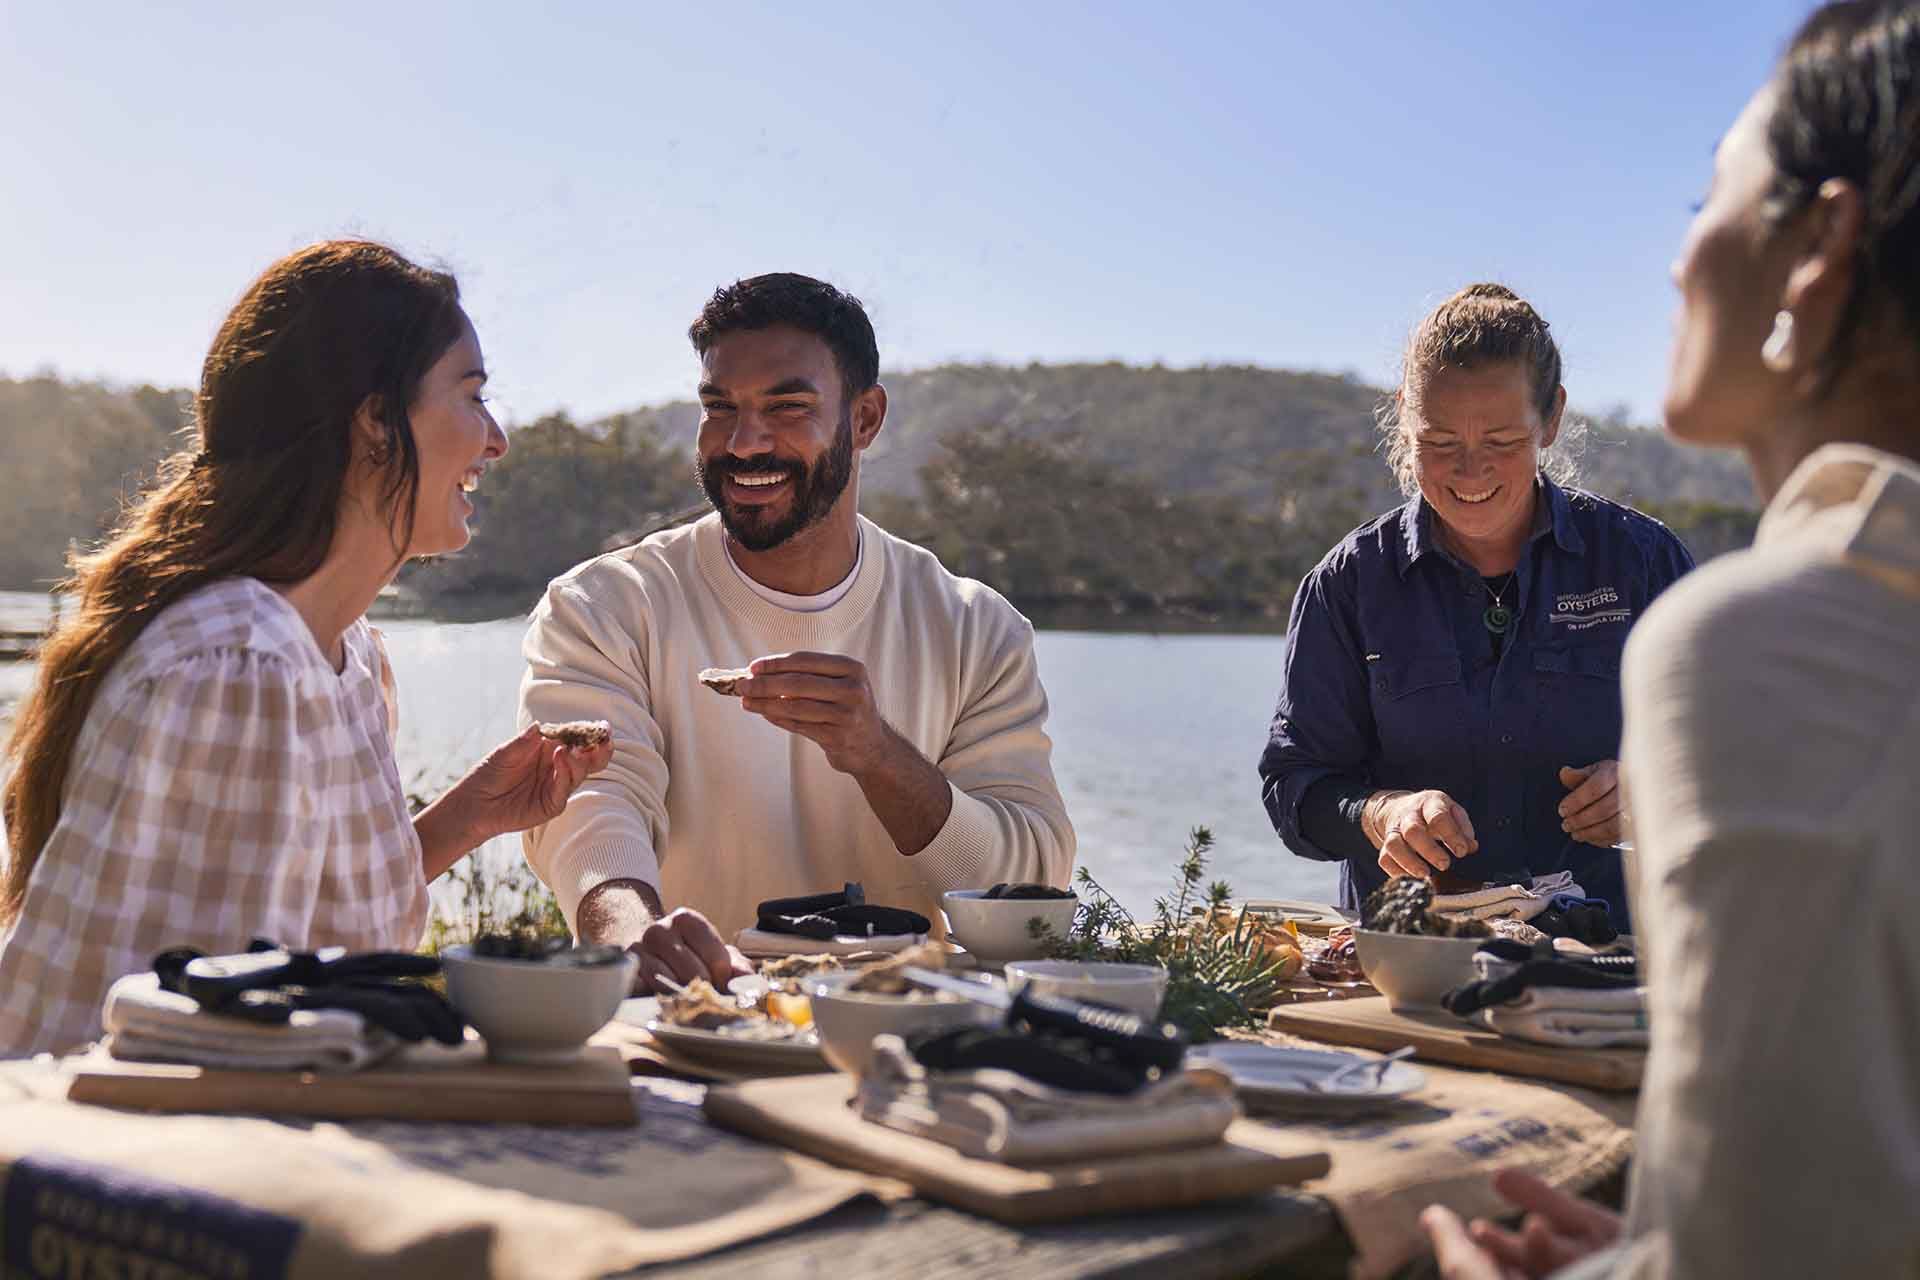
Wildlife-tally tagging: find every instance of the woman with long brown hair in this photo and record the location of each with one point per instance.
(206, 754)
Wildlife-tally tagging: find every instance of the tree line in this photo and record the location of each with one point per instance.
(1082, 492)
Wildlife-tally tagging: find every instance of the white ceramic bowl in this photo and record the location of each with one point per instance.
(1412, 971)
(534, 1013)
(1137, 988)
(849, 1020)
(995, 930)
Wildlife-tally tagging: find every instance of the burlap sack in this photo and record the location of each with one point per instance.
(1443, 1147)
(86, 1191)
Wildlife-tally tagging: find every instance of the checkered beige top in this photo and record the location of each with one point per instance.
(227, 784)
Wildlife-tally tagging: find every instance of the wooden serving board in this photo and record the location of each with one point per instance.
(425, 1083)
(810, 1115)
(1440, 1037)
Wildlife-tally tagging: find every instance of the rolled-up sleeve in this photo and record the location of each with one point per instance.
(1008, 822)
(582, 665)
(1323, 724)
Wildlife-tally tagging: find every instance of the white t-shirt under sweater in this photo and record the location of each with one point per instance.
(721, 810)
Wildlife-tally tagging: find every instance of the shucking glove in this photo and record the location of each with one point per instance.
(267, 983)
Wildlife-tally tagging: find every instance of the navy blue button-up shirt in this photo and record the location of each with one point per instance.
(1393, 680)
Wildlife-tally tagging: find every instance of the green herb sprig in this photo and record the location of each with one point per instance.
(1214, 979)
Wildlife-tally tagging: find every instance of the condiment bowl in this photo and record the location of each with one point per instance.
(997, 930)
(849, 1020)
(1136, 988)
(1414, 971)
(535, 1012)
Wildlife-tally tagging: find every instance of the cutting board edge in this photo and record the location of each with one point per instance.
(1609, 1073)
(153, 1094)
(520, 1096)
(1258, 1171)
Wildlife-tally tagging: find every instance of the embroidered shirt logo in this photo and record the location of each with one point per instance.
(1590, 609)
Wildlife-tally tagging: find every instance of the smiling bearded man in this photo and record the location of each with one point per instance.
(889, 724)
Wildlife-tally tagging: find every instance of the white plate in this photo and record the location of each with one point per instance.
(718, 1049)
(1304, 914)
(1269, 1075)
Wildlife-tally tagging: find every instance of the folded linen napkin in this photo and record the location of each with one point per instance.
(1542, 1022)
(1539, 994)
(148, 1023)
(1518, 901)
(760, 945)
(994, 1114)
(1504, 971)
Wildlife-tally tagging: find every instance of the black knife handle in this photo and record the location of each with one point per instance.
(1143, 1043)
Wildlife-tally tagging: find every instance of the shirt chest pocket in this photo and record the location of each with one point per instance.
(1419, 705)
(1577, 692)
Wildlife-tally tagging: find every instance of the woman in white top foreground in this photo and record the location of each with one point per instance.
(1773, 719)
(206, 755)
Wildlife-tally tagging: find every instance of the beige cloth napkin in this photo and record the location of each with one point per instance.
(1518, 901)
(761, 944)
(1572, 1016)
(1001, 1115)
(147, 1023)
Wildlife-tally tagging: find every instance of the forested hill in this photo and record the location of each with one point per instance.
(1084, 489)
(1231, 430)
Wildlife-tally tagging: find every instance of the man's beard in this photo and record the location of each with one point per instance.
(815, 490)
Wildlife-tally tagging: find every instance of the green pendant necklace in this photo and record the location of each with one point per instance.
(1497, 617)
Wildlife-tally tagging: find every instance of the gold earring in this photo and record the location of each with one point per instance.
(1777, 352)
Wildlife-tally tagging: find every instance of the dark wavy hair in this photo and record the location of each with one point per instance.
(324, 331)
(1847, 105)
(799, 302)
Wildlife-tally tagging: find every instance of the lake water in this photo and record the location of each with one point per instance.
(1152, 735)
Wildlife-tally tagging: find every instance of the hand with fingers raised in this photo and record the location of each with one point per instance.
(1417, 832)
(1594, 811)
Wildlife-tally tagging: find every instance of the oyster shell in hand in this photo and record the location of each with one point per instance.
(723, 679)
(584, 734)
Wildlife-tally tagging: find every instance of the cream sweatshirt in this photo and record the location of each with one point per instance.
(720, 810)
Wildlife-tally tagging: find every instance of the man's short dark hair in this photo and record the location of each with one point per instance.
(798, 302)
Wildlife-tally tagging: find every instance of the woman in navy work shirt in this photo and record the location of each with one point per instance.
(1452, 683)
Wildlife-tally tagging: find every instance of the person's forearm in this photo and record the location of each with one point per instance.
(1332, 817)
(445, 835)
(909, 795)
(617, 912)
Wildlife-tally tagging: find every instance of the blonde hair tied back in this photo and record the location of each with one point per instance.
(1483, 324)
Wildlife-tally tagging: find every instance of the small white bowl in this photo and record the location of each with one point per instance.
(849, 1020)
(1137, 988)
(534, 1013)
(996, 930)
(1413, 971)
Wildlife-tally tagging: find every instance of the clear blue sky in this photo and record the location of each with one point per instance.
(1283, 184)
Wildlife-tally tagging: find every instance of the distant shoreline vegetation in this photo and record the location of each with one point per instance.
(1095, 497)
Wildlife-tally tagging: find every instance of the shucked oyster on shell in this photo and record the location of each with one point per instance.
(723, 679)
(584, 734)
